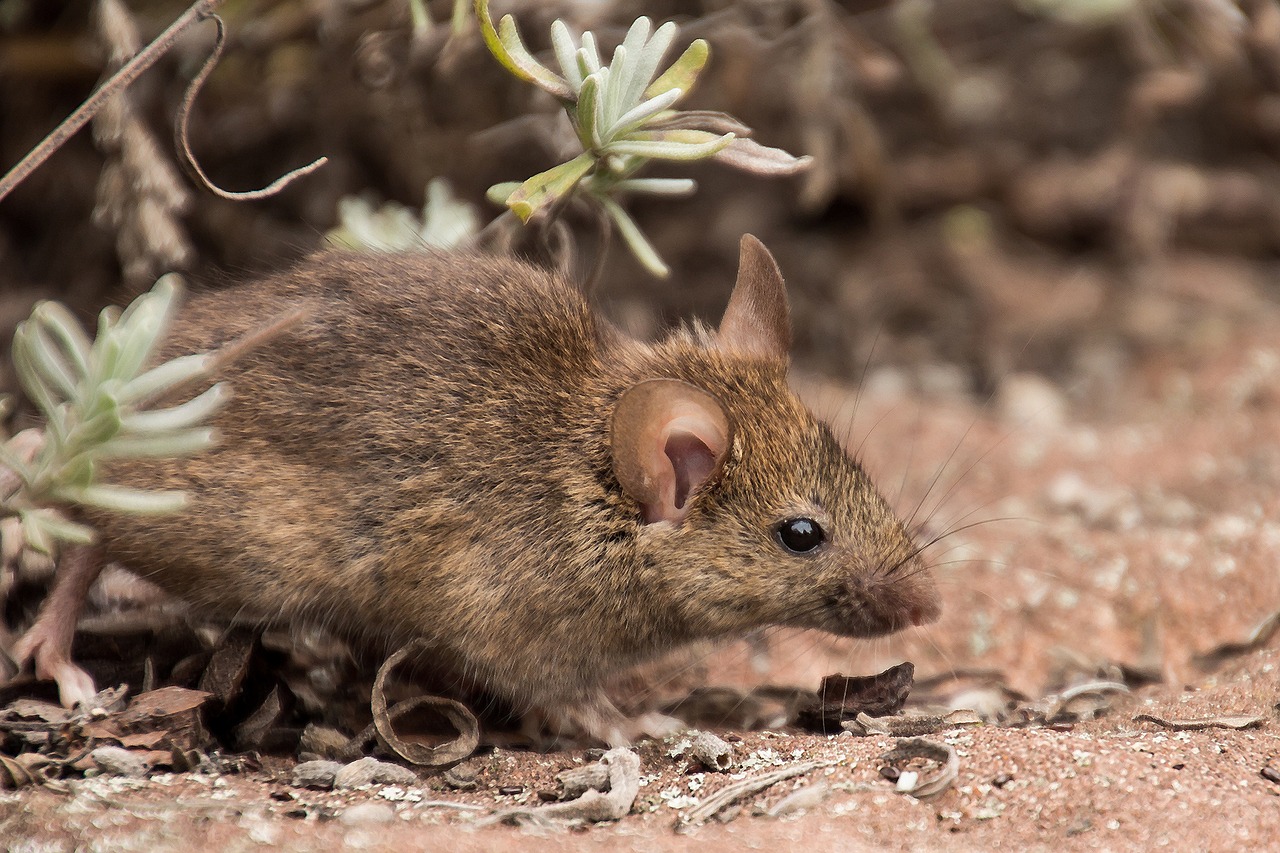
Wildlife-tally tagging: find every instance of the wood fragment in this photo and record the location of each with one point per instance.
(731, 794)
(593, 806)
(1258, 637)
(911, 725)
(1229, 721)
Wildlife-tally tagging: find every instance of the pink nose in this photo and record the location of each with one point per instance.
(924, 613)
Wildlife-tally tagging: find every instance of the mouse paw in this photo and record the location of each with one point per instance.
(52, 662)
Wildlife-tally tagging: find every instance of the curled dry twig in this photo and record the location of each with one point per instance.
(455, 712)
(121, 80)
(1229, 721)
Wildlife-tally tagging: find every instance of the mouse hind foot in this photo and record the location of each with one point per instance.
(47, 643)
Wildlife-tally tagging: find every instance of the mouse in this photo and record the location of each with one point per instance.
(460, 449)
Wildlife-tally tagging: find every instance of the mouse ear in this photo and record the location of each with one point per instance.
(668, 438)
(757, 321)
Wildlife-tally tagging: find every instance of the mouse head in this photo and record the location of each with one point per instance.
(748, 504)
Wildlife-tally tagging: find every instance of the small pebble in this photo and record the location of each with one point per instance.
(1001, 779)
(367, 813)
(511, 790)
(1271, 774)
(316, 774)
(118, 761)
(371, 771)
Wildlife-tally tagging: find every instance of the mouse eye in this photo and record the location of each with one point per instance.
(800, 535)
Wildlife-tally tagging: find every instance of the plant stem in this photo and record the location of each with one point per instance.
(123, 78)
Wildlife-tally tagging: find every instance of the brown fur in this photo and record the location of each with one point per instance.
(427, 454)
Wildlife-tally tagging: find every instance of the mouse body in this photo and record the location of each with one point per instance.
(459, 449)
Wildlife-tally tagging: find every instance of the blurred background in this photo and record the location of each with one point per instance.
(1032, 267)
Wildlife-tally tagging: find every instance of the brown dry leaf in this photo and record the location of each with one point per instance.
(842, 698)
(253, 732)
(224, 676)
(924, 787)
(175, 712)
(455, 713)
(23, 770)
(1228, 721)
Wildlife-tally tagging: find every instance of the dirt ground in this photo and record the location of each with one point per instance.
(1033, 283)
(1138, 540)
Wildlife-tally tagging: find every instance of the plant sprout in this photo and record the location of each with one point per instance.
(623, 118)
(95, 397)
(445, 222)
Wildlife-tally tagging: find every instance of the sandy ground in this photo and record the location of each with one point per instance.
(1074, 542)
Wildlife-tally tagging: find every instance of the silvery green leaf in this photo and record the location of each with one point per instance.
(611, 85)
(638, 115)
(548, 186)
(750, 156)
(562, 42)
(671, 145)
(77, 472)
(94, 431)
(125, 499)
(588, 54)
(143, 325)
(65, 327)
(506, 46)
(33, 531)
(181, 443)
(446, 221)
(499, 193)
(635, 239)
(47, 359)
(683, 72)
(33, 383)
(587, 112)
(708, 120)
(189, 414)
(51, 525)
(161, 378)
(649, 59)
(658, 186)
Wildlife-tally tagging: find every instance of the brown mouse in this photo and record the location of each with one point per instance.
(457, 448)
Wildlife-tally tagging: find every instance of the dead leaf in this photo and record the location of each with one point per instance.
(911, 725)
(224, 677)
(842, 698)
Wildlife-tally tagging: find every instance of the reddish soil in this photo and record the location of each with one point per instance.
(1077, 542)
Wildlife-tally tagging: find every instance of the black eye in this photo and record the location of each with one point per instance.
(800, 535)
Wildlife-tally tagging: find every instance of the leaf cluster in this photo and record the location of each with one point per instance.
(623, 116)
(97, 397)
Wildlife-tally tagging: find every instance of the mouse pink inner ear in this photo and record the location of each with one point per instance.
(668, 437)
(757, 321)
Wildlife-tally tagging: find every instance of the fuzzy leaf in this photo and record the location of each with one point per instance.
(183, 443)
(635, 239)
(708, 120)
(189, 414)
(161, 378)
(648, 60)
(506, 46)
(750, 156)
(499, 193)
(658, 186)
(66, 329)
(566, 54)
(546, 187)
(671, 144)
(124, 499)
(683, 73)
(641, 113)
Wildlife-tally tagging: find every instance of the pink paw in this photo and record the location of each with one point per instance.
(52, 663)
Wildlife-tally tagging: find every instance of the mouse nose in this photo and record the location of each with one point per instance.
(925, 612)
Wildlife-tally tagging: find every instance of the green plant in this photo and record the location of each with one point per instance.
(623, 118)
(96, 398)
(390, 227)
